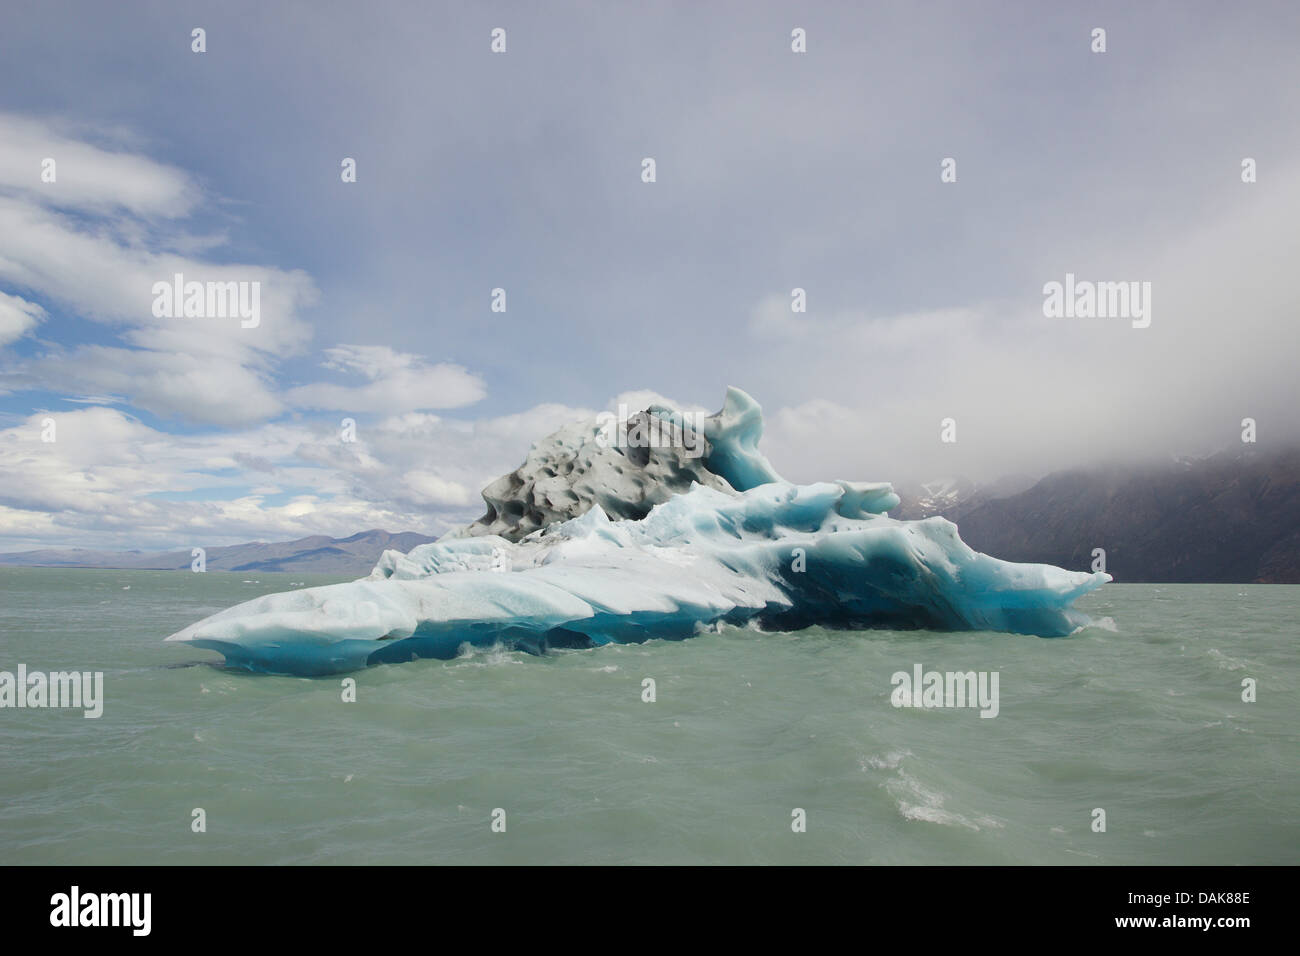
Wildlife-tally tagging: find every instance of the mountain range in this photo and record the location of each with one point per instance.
(1233, 517)
(315, 554)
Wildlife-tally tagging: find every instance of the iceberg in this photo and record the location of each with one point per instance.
(602, 537)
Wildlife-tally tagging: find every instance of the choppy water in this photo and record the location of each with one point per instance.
(1145, 721)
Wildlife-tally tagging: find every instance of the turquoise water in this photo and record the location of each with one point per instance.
(1142, 717)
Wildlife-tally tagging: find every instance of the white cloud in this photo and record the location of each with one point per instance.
(110, 481)
(210, 390)
(78, 243)
(17, 317)
(102, 273)
(396, 382)
(88, 176)
(429, 489)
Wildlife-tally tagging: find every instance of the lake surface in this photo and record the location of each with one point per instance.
(1141, 716)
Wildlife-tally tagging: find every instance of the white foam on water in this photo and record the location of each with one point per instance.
(917, 802)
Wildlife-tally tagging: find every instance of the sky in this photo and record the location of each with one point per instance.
(522, 170)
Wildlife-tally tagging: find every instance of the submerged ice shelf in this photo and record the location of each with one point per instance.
(709, 534)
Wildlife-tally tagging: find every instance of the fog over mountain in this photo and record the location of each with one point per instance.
(1232, 517)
